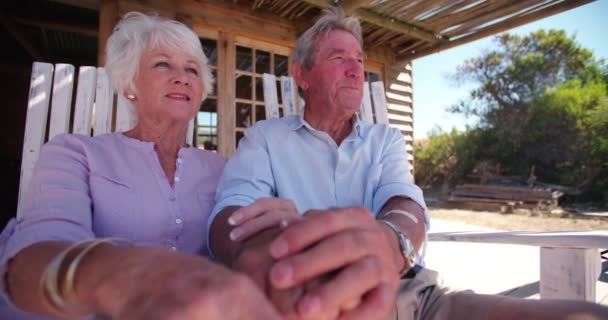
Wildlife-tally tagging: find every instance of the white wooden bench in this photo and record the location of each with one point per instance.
(97, 110)
(569, 261)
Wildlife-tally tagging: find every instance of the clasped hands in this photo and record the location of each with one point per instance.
(325, 264)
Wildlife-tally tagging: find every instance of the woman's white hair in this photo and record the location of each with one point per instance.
(136, 32)
(333, 18)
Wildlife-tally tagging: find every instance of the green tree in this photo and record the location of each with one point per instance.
(542, 101)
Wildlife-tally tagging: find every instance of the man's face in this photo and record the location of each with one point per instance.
(335, 81)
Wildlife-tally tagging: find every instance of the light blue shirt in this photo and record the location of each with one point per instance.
(288, 158)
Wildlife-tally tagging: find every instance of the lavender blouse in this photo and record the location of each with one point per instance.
(113, 186)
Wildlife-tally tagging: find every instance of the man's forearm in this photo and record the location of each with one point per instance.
(413, 223)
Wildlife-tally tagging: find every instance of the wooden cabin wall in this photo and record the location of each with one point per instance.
(399, 99)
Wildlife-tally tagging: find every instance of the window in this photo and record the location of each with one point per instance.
(206, 121)
(251, 64)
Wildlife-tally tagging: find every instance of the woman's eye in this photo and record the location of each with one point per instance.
(192, 70)
(161, 64)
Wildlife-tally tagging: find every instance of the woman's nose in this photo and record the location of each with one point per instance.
(181, 77)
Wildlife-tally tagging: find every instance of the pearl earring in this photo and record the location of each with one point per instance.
(131, 97)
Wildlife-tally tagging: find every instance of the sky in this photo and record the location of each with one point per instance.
(434, 93)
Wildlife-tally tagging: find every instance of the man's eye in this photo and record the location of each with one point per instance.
(192, 70)
(161, 64)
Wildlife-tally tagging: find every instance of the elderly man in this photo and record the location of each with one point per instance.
(320, 209)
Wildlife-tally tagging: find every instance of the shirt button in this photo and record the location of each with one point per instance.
(178, 221)
(173, 248)
(176, 179)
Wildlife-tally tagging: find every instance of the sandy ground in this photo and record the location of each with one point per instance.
(489, 268)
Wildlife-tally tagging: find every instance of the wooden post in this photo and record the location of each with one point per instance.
(568, 273)
(108, 16)
(226, 92)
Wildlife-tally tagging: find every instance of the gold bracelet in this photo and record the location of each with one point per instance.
(50, 278)
(68, 283)
(51, 275)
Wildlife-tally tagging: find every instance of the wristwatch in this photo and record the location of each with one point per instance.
(407, 248)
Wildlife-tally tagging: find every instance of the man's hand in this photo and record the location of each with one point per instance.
(349, 243)
(264, 213)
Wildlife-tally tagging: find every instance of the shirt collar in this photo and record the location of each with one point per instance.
(296, 122)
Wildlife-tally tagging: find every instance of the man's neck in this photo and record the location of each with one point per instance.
(338, 127)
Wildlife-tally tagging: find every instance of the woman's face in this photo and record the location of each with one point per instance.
(168, 86)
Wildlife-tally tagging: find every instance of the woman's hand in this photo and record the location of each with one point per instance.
(264, 213)
(160, 284)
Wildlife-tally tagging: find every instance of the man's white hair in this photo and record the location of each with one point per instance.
(332, 19)
(136, 32)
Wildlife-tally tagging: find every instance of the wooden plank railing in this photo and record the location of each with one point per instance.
(569, 261)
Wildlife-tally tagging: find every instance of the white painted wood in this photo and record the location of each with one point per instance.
(562, 239)
(104, 104)
(190, 133)
(379, 101)
(125, 115)
(288, 87)
(35, 124)
(568, 273)
(271, 101)
(366, 113)
(63, 84)
(302, 104)
(85, 96)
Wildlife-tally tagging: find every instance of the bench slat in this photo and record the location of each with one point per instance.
(271, 102)
(366, 112)
(288, 94)
(582, 239)
(85, 95)
(35, 124)
(104, 102)
(63, 84)
(379, 100)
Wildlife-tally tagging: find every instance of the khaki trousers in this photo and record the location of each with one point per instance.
(424, 298)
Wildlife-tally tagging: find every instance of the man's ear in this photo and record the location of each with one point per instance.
(298, 75)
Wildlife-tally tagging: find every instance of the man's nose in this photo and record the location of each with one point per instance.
(354, 68)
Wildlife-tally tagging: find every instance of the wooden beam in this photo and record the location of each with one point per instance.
(12, 29)
(87, 4)
(108, 16)
(238, 20)
(398, 26)
(387, 22)
(350, 6)
(58, 26)
(494, 29)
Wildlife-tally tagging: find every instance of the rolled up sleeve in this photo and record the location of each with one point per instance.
(396, 178)
(247, 175)
(57, 207)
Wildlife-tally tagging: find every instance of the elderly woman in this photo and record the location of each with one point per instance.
(114, 224)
